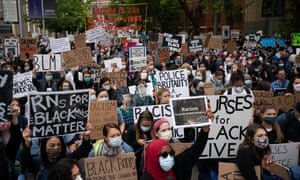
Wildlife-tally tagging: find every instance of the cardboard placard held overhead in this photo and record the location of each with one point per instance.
(47, 62)
(28, 46)
(77, 57)
(80, 40)
(231, 171)
(215, 42)
(163, 54)
(6, 89)
(117, 78)
(100, 114)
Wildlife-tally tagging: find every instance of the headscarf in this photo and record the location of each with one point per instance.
(152, 166)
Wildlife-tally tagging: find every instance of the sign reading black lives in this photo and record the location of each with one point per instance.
(190, 112)
(58, 113)
(195, 45)
(6, 86)
(174, 43)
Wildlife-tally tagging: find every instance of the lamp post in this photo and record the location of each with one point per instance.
(84, 13)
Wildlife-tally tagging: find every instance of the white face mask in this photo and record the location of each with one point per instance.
(297, 87)
(269, 129)
(144, 75)
(78, 177)
(167, 135)
(166, 163)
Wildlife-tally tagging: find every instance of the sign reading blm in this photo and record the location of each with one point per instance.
(58, 113)
(190, 112)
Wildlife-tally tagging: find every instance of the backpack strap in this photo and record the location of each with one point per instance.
(247, 90)
(229, 91)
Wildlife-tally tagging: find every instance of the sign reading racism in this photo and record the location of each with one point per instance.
(22, 85)
(137, 58)
(6, 86)
(77, 57)
(46, 62)
(176, 81)
(120, 167)
(58, 113)
(28, 46)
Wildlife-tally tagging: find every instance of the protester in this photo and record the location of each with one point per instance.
(163, 96)
(65, 169)
(294, 86)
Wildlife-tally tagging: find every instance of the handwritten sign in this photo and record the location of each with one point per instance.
(6, 86)
(59, 45)
(77, 57)
(96, 75)
(58, 113)
(45, 62)
(22, 85)
(100, 114)
(120, 167)
(215, 42)
(80, 40)
(209, 89)
(28, 46)
(285, 153)
(284, 103)
(231, 171)
(162, 54)
(118, 78)
(137, 58)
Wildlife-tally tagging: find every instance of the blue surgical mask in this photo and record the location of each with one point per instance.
(248, 82)
(198, 78)
(280, 65)
(115, 142)
(166, 163)
(26, 68)
(178, 61)
(107, 87)
(49, 78)
(229, 63)
(196, 64)
(93, 97)
(261, 142)
(66, 88)
(145, 128)
(103, 99)
(87, 79)
(256, 69)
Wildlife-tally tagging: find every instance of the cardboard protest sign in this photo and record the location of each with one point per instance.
(280, 170)
(137, 58)
(112, 63)
(285, 153)
(162, 54)
(117, 78)
(28, 46)
(180, 147)
(208, 36)
(12, 46)
(174, 43)
(77, 57)
(22, 85)
(46, 62)
(231, 171)
(184, 51)
(80, 40)
(58, 113)
(120, 167)
(100, 114)
(284, 103)
(96, 75)
(189, 112)
(209, 89)
(231, 46)
(215, 42)
(176, 81)
(151, 46)
(195, 45)
(59, 45)
(227, 131)
(6, 89)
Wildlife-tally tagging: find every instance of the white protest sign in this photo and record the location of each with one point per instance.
(94, 34)
(46, 62)
(137, 58)
(176, 81)
(158, 111)
(58, 113)
(12, 46)
(112, 63)
(22, 85)
(285, 154)
(227, 131)
(6, 86)
(60, 45)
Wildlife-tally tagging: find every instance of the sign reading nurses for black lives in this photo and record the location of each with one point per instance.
(227, 131)
(190, 112)
(6, 86)
(58, 113)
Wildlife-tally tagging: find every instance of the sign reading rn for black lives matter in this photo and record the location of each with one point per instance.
(58, 113)
(6, 85)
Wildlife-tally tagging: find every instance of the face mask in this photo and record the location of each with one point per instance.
(166, 163)
(269, 120)
(145, 128)
(268, 63)
(202, 68)
(248, 82)
(144, 75)
(194, 92)
(49, 78)
(93, 97)
(26, 68)
(249, 62)
(178, 61)
(107, 87)
(78, 177)
(66, 88)
(239, 89)
(218, 81)
(297, 87)
(198, 78)
(87, 79)
(256, 69)
(123, 67)
(269, 129)
(229, 63)
(280, 65)
(234, 69)
(151, 67)
(195, 64)
(53, 153)
(261, 142)
(103, 99)
(115, 142)
(167, 135)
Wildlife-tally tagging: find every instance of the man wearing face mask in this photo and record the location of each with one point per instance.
(178, 61)
(49, 83)
(281, 82)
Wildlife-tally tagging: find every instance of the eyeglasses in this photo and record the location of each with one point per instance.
(165, 154)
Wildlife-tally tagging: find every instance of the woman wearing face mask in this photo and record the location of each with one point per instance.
(66, 86)
(105, 83)
(162, 130)
(112, 144)
(49, 83)
(294, 86)
(218, 81)
(65, 169)
(161, 163)
(253, 151)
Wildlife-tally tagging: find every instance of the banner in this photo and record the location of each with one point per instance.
(10, 11)
(285, 154)
(58, 113)
(59, 45)
(49, 9)
(101, 113)
(121, 167)
(195, 45)
(176, 81)
(45, 62)
(173, 43)
(162, 54)
(77, 57)
(35, 9)
(227, 131)
(117, 78)
(22, 85)
(189, 112)
(6, 86)
(28, 46)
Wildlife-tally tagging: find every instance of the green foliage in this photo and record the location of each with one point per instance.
(169, 15)
(289, 22)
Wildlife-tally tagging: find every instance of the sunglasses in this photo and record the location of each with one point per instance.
(165, 154)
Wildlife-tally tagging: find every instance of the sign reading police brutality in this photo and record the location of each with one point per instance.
(22, 85)
(6, 86)
(77, 57)
(58, 113)
(190, 112)
(173, 43)
(232, 115)
(28, 46)
(47, 62)
(102, 112)
(285, 153)
(195, 45)
(176, 81)
(137, 58)
(163, 54)
(120, 167)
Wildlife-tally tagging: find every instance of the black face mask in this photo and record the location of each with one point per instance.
(53, 153)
